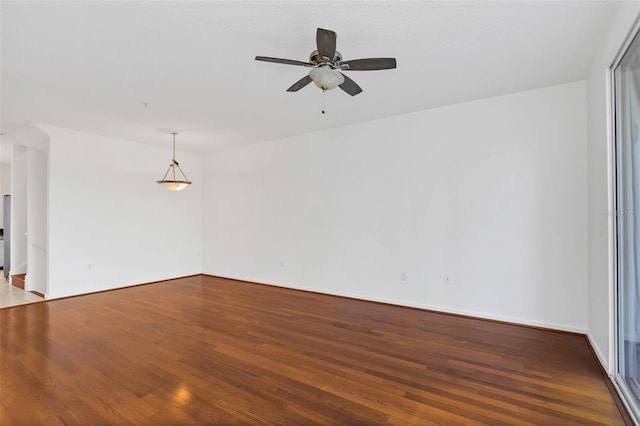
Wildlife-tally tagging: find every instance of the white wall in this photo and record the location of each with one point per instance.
(19, 211)
(5, 179)
(600, 300)
(37, 230)
(29, 207)
(491, 192)
(5, 187)
(110, 224)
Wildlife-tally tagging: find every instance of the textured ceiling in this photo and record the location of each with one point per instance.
(92, 66)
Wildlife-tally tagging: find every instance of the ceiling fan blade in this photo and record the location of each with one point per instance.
(326, 42)
(283, 61)
(350, 86)
(299, 84)
(370, 64)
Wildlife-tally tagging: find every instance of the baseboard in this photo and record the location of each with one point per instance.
(509, 320)
(432, 308)
(597, 353)
(615, 392)
(69, 296)
(621, 402)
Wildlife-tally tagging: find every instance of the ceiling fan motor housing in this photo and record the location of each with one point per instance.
(316, 59)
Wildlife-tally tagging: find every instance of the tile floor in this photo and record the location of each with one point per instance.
(13, 296)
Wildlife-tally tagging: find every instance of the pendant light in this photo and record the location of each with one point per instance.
(173, 184)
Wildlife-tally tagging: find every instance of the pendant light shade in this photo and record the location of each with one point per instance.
(174, 185)
(171, 180)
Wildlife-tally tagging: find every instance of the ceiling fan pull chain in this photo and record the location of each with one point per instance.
(323, 92)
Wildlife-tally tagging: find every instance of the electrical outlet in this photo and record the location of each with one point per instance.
(403, 276)
(447, 279)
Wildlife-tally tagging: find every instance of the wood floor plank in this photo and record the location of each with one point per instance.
(204, 350)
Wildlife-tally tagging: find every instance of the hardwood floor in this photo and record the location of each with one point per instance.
(208, 350)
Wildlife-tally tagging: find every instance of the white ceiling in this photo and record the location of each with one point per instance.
(92, 65)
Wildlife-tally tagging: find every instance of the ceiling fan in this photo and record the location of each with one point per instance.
(327, 63)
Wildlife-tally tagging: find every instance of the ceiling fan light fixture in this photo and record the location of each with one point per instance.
(326, 77)
(169, 180)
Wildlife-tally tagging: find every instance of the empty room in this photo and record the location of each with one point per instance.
(320, 212)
